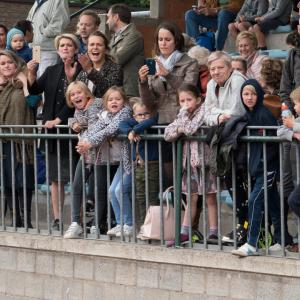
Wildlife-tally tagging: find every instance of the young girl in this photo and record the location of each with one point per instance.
(100, 134)
(189, 119)
(258, 115)
(143, 118)
(91, 113)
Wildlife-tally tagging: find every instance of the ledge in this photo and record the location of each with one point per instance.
(155, 254)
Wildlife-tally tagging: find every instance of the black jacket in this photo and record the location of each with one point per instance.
(224, 145)
(261, 116)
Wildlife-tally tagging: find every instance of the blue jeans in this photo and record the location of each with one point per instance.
(218, 23)
(256, 208)
(116, 197)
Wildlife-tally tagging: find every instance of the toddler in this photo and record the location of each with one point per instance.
(143, 118)
(15, 41)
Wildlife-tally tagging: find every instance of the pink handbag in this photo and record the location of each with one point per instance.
(151, 227)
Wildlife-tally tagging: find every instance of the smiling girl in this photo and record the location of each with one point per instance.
(100, 135)
(188, 121)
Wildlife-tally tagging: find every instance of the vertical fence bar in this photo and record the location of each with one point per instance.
(35, 167)
(233, 180)
(13, 183)
(189, 201)
(96, 194)
(178, 194)
(161, 191)
(204, 210)
(282, 220)
(2, 183)
(83, 175)
(108, 194)
(60, 185)
(265, 184)
(24, 204)
(133, 193)
(47, 181)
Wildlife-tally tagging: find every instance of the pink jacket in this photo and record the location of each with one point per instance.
(190, 126)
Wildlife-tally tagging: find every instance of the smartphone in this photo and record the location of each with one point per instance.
(36, 53)
(150, 62)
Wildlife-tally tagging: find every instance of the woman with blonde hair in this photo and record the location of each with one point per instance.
(247, 46)
(53, 83)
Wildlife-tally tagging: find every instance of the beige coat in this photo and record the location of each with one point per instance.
(164, 94)
(128, 51)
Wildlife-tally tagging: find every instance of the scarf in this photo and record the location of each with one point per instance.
(170, 61)
(9, 116)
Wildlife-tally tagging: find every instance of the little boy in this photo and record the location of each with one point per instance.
(15, 41)
(143, 118)
(291, 130)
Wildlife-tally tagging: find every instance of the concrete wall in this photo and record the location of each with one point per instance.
(42, 267)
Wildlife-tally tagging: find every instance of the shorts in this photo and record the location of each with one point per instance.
(267, 25)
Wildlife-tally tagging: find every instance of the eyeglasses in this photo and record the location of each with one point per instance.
(145, 114)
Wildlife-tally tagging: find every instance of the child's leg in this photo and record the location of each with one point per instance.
(186, 221)
(123, 193)
(76, 200)
(140, 195)
(212, 209)
(113, 194)
(55, 199)
(274, 211)
(255, 210)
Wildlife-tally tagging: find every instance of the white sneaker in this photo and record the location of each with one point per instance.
(127, 230)
(74, 231)
(275, 248)
(93, 230)
(245, 250)
(114, 230)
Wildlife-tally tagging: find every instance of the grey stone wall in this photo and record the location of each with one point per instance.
(45, 267)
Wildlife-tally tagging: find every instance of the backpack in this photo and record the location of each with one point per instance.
(207, 40)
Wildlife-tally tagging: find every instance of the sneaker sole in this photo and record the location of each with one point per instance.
(242, 254)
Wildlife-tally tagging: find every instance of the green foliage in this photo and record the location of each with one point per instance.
(131, 3)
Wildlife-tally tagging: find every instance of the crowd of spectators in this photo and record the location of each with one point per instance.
(100, 86)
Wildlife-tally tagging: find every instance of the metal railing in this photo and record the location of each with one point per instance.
(40, 216)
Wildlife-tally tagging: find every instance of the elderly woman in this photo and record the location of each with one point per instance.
(223, 102)
(53, 83)
(223, 99)
(173, 67)
(247, 44)
(99, 72)
(15, 111)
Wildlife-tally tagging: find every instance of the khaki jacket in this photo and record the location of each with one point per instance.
(128, 51)
(164, 94)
